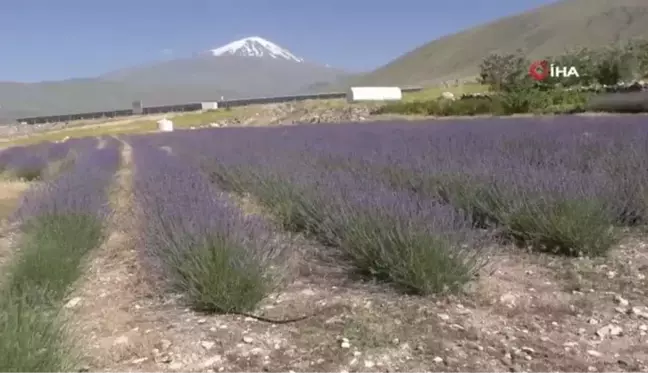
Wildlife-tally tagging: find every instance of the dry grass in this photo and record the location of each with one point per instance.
(10, 193)
(128, 126)
(148, 124)
(104, 129)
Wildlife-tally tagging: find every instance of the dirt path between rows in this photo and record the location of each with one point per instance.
(526, 312)
(11, 192)
(104, 306)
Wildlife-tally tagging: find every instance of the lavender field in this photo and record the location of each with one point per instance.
(446, 227)
(381, 192)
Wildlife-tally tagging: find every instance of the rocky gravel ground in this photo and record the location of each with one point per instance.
(524, 314)
(299, 113)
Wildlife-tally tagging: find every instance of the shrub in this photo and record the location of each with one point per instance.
(196, 240)
(539, 101)
(526, 100)
(52, 250)
(33, 337)
(61, 220)
(483, 201)
(442, 107)
(567, 227)
(503, 73)
(526, 176)
(30, 162)
(385, 234)
(417, 261)
(218, 276)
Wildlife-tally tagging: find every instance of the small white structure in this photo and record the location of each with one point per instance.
(165, 125)
(447, 96)
(209, 105)
(356, 94)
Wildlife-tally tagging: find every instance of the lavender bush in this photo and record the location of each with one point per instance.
(30, 162)
(559, 184)
(196, 239)
(65, 218)
(62, 220)
(388, 234)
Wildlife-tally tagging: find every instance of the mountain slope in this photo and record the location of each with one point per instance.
(19, 100)
(251, 66)
(542, 32)
(245, 75)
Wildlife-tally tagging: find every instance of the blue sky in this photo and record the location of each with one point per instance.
(59, 39)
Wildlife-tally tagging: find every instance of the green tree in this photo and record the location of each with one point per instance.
(505, 72)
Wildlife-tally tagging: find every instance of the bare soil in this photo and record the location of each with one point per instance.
(10, 193)
(525, 312)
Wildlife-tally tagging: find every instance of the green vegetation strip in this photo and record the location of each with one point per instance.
(48, 261)
(51, 253)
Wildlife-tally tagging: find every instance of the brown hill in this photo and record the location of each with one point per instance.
(545, 31)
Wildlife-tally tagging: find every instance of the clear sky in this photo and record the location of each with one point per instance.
(59, 39)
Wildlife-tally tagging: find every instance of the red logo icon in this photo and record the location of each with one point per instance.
(539, 70)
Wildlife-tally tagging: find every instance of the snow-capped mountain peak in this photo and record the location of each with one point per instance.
(255, 46)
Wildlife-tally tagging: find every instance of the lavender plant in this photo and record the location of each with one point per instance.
(30, 162)
(62, 220)
(514, 176)
(386, 234)
(196, 239)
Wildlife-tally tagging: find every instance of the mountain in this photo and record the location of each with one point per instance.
(541, 32)
(250, 67)
(255, 46)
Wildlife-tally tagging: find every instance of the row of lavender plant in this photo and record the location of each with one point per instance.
(61, 219)
(67, 214)
(557, 184)
(391, 234)
(29, 162)
(521, 176)
(196, 239)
